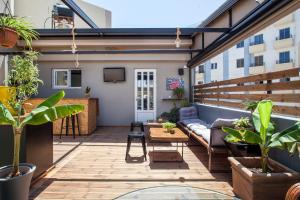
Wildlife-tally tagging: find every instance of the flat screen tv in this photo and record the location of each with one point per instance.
(114, 74)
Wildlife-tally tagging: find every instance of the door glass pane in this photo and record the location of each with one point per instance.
(61, 78)
(151, 91)
(139, 79)
(151, 81)
(151, 98)
(145, 91)
(139, 91)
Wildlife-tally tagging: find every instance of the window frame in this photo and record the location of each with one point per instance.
(259, 60)
(284, 33)
(284, 60)
(258, 39)
(237, 62)
(214, 66)
(241, 44)
(201, 69)
(68, 86)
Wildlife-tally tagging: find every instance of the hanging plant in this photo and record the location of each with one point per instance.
(13, 28)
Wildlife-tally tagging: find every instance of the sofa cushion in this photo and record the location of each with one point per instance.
(188, 113)
(190, 122)
(206, 135)
(219, 123)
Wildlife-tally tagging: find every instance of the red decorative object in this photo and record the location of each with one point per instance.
(8, 37)
(293, 193)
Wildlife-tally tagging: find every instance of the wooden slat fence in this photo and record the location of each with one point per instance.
(233, 92)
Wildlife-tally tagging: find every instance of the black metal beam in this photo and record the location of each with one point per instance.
(135, 51)
(76, 9)
(269, 7)
(128, 31)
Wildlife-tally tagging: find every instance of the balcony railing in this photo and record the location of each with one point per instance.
(284, 61)
(256, 43)
(257, 64)
(284, 38)
(232, 93)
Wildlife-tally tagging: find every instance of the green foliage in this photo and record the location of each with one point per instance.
(185, 103)
(168, 125)
(23, 78)
(178, 92)
(172, 116)
(250, 105)
(21, 26)
(47, 111)
(242, 123)
(265, 135)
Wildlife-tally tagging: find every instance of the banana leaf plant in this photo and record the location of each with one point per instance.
(265, 135)
(47, 111)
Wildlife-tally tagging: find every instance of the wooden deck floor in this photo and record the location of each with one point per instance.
(93, 167)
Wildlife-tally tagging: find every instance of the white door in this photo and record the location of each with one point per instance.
(145, 94)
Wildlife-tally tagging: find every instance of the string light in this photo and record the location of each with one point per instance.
(74, 48)
(178, 41)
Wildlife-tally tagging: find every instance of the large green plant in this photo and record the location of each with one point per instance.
(23, 28)
(23, 78)
(47, 111)
(265, 135)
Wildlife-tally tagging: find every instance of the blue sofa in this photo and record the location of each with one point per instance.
(210, 136)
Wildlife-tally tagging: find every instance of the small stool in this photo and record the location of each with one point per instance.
(73, 119)
(137, 125)
(136, 136)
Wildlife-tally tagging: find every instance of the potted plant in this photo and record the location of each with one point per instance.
(261, 177)
(24, 79)
(178, 92)
(87, 92)
(237, 147)
(169, 126)
(11, 28)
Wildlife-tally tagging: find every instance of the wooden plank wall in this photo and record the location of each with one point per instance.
(233, 92)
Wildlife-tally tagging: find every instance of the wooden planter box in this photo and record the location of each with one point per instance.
(8, 37)
(258, 186)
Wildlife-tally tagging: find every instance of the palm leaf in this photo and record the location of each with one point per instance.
(44, 114)
(252, 137)
(233, 132)
(265, 110)
(6, 117)
(52, 100)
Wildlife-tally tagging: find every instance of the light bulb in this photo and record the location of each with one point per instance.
(177, 43)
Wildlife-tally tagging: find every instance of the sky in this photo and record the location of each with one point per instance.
(158, 13)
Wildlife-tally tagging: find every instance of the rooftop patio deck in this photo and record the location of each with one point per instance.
(94, 167)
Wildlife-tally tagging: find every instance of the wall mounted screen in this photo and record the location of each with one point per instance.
(114, 74)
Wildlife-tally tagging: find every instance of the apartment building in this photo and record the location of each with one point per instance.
(54, 14)
(272, 49)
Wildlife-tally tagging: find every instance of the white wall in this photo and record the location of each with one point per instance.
(39, 12)
(116, 100)
(234, 54)
(217, 74)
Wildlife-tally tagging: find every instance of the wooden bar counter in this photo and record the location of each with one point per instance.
(87, 118)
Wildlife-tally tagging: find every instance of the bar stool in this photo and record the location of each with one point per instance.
(73, 124)
(136, 135)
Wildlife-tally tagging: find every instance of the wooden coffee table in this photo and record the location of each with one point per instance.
(160, 135)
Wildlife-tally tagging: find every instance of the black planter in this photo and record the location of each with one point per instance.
(242, 149)
(16, 188)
